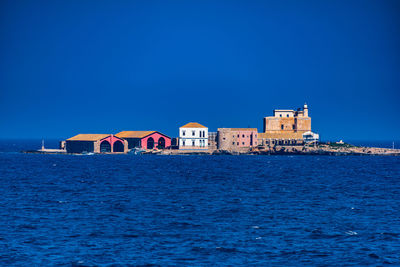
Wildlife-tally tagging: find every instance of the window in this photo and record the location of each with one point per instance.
(233, 143)
(243, 135)
(294, 127)
(242, 143)
(193, 133)
(280, 115)
(183, 143)
(238, 136)
(204, 133)
(287, 115)
(193, 143)
(256, 136)
(183, 133)
(282, 127)
(237, 143)
(223, 138)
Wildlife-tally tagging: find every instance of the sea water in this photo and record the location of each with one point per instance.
(122, 210)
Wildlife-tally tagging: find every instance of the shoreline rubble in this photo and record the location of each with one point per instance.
(307, 150)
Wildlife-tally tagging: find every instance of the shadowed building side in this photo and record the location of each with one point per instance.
(96, 143)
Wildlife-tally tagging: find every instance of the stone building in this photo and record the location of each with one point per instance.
(193, 136)
(286, 127)
(236, 139)
(212, 140)
(96, 143)
(288, 121)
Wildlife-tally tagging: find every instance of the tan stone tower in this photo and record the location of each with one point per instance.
(286, 121)
(305, 110)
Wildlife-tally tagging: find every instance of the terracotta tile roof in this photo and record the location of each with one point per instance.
(134, 134)
(290, 135)
(193, 125)
(88, 137)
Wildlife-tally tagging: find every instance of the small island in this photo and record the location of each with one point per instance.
(287, 132)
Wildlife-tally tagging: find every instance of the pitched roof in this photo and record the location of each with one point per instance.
(134, 134)
(88, 137)
(193, 125)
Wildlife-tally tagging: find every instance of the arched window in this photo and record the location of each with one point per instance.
(161, 143)
(150, 143)
(282, 127)
(105, 147)
(118, 146)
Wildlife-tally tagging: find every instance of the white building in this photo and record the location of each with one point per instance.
(310, 137)
(193, 136)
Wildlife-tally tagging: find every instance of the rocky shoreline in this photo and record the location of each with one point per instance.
(322, 149)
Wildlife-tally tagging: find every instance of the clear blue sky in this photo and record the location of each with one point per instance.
(71, 67)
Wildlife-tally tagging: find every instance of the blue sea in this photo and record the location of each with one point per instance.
(119, 210)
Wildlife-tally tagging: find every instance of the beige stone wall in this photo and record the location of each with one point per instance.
(125, 146)
(291, 124)
(96, 147)
(212, 140)
(304, 124)
(237, 139)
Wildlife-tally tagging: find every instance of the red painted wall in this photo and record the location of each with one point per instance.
(112, 139)
(155, 136)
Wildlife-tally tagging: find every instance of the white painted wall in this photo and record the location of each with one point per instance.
(189, 135)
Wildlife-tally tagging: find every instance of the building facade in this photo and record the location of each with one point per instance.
(288, 121)
(212, 140)
(310, 137)
(193, 136)
(96, 143)
(286, 127)
(235, 139)
(145, 139)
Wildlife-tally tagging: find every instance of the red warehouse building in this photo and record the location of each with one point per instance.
(145, 139)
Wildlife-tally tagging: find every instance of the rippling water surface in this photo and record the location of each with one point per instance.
(199, 210)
